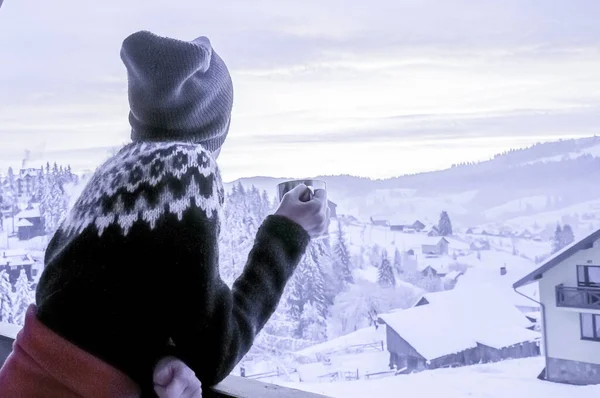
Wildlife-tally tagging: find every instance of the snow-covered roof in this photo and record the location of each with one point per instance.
(29, 213)
(456, 244)
(505, 337)
(379, 217)
(491, 279)
(15, 257)
(439, 266)
(16, 261)
(453, 274)
(432, 240)
(24, 223)
(403, 221)
(9, 330)
(458, 321)
(435, 297)
(429, 331)
(13, 252)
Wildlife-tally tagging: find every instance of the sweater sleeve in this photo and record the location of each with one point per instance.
(214, 326)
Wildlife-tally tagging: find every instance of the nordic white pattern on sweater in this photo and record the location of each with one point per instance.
(137, 184)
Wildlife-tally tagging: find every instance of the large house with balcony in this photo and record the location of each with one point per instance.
(569, 290)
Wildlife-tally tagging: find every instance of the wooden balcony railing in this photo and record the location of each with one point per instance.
(240, 387)
(232, 386)
(578, 297)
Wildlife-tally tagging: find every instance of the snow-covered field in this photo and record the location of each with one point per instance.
(507, 379)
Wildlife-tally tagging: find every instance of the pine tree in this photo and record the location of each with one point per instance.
(567, 236)
(23, 297)
(255, 205)
(386, 277)
(375, 256)
(39, 186)
(557, 239)
(10, 194)
(7, 296)
(307, 286)
(266, 205)
(342, 258)
(444, 225)
(398, 261)
(11, 180)
(324, 258)
(237, 234)
(54, 204)
(313, 324)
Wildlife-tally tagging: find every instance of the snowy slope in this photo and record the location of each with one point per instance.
(581, 226)
(533, 203)
(593, 150)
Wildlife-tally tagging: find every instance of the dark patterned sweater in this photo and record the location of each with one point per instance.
(135, 264)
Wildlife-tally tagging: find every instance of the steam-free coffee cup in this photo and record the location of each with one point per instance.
(313, 185)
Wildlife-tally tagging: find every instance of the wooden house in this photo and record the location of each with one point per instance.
(435, 246)
(332, 209)
(27, 181)
(526, 234)
(433, 231)
(29, 223)
(451, 278)
(406, 226)
(380, 221)
(434, 271)
(455, 332)
(13, 261)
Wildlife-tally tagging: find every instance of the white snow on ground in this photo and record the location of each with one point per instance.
(508, 379)
(346, 342)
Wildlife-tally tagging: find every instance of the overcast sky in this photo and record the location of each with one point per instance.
(376, 88)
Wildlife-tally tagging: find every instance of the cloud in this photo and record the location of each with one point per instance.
(363, 72)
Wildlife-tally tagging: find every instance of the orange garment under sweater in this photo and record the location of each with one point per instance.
(44, 365)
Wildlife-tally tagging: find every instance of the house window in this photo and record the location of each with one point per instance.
(590, 326)
(588, 275)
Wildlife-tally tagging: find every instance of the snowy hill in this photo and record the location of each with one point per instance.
(522, 182)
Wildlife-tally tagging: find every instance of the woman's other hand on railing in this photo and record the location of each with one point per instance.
(174, 379)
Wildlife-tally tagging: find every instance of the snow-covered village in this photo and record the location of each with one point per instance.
(419, 299)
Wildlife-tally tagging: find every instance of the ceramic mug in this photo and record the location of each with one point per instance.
(312, 184)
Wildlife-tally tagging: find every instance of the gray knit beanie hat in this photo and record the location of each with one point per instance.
(178, 90)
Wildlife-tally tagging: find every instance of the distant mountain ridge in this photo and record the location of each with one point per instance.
(567, 169)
